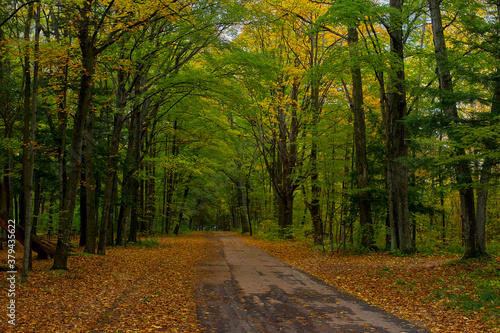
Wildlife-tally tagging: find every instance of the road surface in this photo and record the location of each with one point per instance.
(245, 290)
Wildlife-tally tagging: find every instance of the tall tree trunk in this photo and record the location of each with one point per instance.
(287, 157)
(113, 211)
(111, 179)
(121, 94)
(83, 108)
(482, 200)
(397, 172)
(482, 196)
(37, 205)
(90, 188)
(249, 217)
(8, 184)
(150, 194)
(462, 169)
(29, 138)
(135, 212)
(9, 119)
(181, 211)
(172, 180)
(242, 204)
(83, 205)
(136, 160)
(285, 210)
(367, 232)
(130, 183)
(314, 206)
(315, 106)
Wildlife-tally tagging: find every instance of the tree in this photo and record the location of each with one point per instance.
(30, 102)
(367, 238)
(89, 29)
(397, 172)
(473, 247)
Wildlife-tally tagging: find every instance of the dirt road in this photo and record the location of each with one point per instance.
(246, 290)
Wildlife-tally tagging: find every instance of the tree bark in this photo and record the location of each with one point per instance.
(9, 117)
(90, 186)
(30, 110)
(181, 211)
(287, 157)
(111, 177)
(83, 204)
(83, 108)
(367, 232)
(397, 173)
(462, 168)
(242, 204)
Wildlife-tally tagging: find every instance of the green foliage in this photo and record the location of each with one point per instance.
(269, 229)
(351, 13)
(207, 81)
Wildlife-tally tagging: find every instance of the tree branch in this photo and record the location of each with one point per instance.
(15, 12)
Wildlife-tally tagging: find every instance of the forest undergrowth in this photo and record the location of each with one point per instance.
(149, 287)
(440, 292)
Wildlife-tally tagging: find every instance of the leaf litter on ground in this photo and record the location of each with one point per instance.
(130, 289)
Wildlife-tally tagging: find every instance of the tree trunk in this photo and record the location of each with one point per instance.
(134, 218)
(285, 211)
(172, 180)
(37, 205)
(150, 194)
(113, 212)
(9, 118)
(315, 106)
(83, 108)
(462, 168)
(111, 178)
(30, 104)
(242, 205)
(249, 217)
(314, 206)
(181, 212)
(367, 232)
(120, 92)
(83, 205)
(482, 200)
(90, 186)
(130, 183)
(397, 173)
(135, 184)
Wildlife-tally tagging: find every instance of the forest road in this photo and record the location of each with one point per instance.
(245, 290)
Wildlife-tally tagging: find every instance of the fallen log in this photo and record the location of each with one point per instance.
(43, 248)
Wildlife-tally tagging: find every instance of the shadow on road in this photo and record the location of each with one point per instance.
(246, 290)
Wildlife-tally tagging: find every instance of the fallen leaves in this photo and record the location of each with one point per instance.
(423, 290)
(131, 289)
(152, 289)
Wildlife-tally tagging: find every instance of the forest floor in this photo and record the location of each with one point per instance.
(136, 288)
(155, 288)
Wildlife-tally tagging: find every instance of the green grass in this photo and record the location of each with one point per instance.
(145, 243)
(475, 288)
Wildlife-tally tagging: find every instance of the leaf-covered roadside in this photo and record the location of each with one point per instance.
(438, 292)
(131, 289)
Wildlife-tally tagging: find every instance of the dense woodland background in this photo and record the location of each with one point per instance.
(376, 122)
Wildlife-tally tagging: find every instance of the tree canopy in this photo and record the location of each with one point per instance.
(370, 123)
